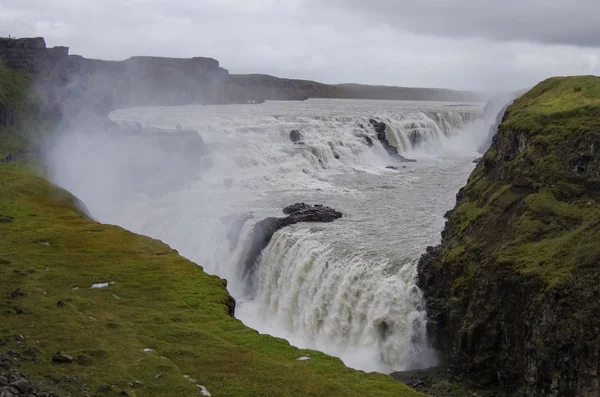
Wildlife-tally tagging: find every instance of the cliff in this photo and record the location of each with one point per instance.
(513, 290)
(81, 83)
(274, 88)
(278, 89)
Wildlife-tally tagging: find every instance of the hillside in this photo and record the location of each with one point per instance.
(128, 314)
(274, 88)
(513, 290)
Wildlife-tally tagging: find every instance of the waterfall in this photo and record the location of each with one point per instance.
(352, 303)
(345, 288)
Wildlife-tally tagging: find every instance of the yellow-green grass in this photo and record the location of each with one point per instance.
(159, 301)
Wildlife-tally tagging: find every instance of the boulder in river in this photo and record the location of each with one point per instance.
(296, 136)
(380, 128)
(265, 229)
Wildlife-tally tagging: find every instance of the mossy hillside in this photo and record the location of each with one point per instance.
(532, 204)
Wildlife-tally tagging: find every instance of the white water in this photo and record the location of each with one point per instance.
(346, 288)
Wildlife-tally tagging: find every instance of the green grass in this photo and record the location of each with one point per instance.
(558, 105)
(159, 300)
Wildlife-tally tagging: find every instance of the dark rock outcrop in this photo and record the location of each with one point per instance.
(493, 112)
(15, 383)
(440, 382)
(513, 290)
(31, 54)
(380, 128)
(296, 136)
(60, 358)
(265, 229)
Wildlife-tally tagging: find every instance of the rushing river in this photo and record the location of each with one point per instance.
(346, 288)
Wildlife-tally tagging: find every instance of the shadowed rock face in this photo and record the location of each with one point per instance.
(265, 229)
(380, 128)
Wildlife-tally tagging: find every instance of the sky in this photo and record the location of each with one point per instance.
(483, 45)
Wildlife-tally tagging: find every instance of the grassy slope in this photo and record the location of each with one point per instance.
(159, 301)
(14, 88)
(534, 210)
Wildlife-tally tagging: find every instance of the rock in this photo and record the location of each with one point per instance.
(23, 386)
(265, 229)
(17, 293)
(60, 358)
(403, 159)
(6, 219)
(231, 306)
(336, 155)
(61, 304)
(290, 209)
(478, 160)
(105, 389)
(158, 375)
(391, 167)
(296, 136)
(380, 129)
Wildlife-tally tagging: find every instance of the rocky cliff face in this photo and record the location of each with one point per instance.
(513, 290)
(100, 86)
(82, 83)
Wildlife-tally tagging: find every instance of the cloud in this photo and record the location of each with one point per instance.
(345, 41)
(570, 22)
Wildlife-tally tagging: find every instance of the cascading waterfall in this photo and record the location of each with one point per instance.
(345, 288)
(413, 130)
(362, 309)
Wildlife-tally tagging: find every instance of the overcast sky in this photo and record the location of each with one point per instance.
(461, 44)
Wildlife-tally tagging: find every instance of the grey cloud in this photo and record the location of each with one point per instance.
(573, 22)
(346, 42)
